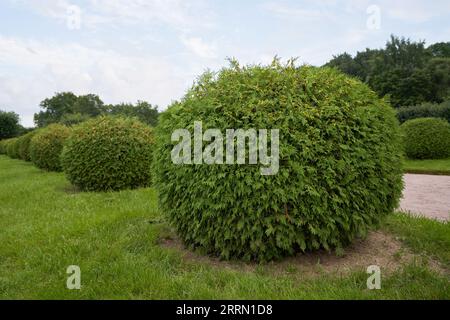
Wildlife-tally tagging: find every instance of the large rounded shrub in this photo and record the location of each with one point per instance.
(426, 138)
(24, 146)
(109, 153)
(46, 147)
(340, 162)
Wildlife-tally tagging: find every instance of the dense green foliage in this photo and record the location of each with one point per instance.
(12, 148)
(144, 111)
(426, 110)
(71, 119)
(46, 146)
(24, 145)
(109, 153)
(426, 138)
(340, 162)
(9, 125)
(62, 104)
(407, 71)
(69, 109)
(3, 146)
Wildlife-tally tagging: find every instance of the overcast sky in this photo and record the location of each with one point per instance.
(152, 50)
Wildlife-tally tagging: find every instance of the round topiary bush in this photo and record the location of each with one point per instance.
(46, 147)
(426, 138)
(12, 148)
(3, 146)
(24, 146)
(339, 162)
(109, 153)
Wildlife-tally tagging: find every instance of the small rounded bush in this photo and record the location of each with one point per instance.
(426, 138)
(12, 148)
(3, 146)
(340, 163)
(46, 147)
(109, 153)
(24, 146)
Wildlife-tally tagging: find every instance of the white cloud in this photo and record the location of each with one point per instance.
(287, 11)
(199, 47)
(56, 9)
(415, 11)
(36, 70)
(178, 14)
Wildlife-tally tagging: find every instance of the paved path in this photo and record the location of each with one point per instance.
(427, 195)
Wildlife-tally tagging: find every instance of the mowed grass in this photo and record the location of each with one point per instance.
(423, 235)
(438, 166)
(45, 226)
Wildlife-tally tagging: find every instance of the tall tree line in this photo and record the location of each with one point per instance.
(70, 109)
(408, 72)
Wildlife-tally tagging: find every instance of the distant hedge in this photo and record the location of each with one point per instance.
(340, 163)
(109, 153)
(427, 110)
(427, 138)
(46, 146)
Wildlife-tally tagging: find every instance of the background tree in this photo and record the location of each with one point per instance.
(406, 71)
(70, 109)
(346, 64)
(9, 125)
(144, 111)
(54, 108)
(89, 105)
(439, 73)
(439, 50)
(71, 119)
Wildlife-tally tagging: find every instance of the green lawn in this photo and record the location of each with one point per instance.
(46, 226)
(441, 166)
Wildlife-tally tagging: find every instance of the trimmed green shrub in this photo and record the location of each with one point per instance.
(340, 163)
(46, 147)
(109, 153)
(24, 146)
(426, 110)
(426, 138)
(12, 148)
(3, 146)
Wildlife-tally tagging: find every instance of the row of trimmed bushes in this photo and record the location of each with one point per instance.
(424, 138)
(105, 153)
(426, 110)
(339, 170)
(42, 146)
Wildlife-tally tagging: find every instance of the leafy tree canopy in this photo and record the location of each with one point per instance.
(9, 125)
(407, 71)
(70, 109)
(144, 111)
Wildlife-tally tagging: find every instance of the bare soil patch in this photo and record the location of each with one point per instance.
(378, 248)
